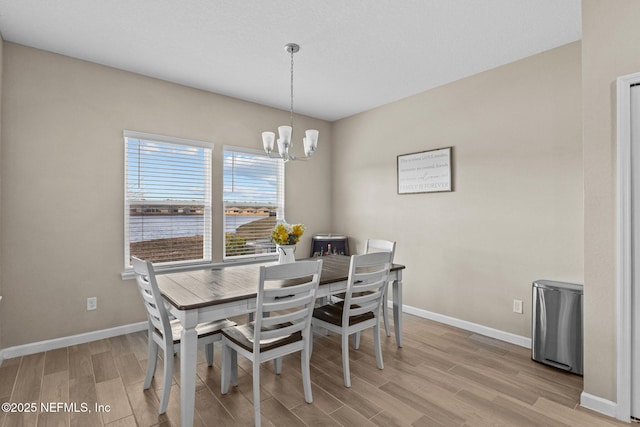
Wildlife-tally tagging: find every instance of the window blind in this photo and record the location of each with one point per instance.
(253, 201)
(167, 199)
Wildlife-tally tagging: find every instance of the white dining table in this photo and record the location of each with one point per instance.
(212, 294)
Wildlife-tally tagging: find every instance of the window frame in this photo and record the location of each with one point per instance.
(280, 203)
(208, 235)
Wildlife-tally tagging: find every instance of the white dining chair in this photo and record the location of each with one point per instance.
(377, 245)
(360, 309)
(164, 333)
(370, 246)
(282, 325)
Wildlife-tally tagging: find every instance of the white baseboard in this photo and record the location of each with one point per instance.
(40, 346)
(599, 404)
(469, 326)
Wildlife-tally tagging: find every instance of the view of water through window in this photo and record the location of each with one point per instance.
(155, 227)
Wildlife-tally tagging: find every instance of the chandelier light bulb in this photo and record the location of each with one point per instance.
(268, 139)
(282, 148)
(285, 133)
(310, 142)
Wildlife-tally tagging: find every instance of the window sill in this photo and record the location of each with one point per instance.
(129, 274)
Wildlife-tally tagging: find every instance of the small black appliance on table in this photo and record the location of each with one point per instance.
(329, 244)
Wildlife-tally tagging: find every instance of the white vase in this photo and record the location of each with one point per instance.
(286, 253)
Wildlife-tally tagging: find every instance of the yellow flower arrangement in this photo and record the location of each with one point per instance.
(286, 234)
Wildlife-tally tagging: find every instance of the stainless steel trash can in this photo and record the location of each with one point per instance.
(557, 325)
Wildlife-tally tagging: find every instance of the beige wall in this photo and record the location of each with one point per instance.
(516, 213)
(62, 183)
(610, 49)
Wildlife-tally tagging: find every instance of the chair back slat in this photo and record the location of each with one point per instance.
(283, 298)
(281, 332)
(286, 297)
(377, 245)
(273, 320)
(290, 316)
(365, 303)
(368, 277)
(153, 302)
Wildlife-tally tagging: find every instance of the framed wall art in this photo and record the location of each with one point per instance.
(425, 172)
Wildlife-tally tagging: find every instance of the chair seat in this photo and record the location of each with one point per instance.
(203, 329)
(332, 313)
(243, 336)
(343, 295)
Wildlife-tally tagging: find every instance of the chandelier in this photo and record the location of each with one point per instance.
(310, 141)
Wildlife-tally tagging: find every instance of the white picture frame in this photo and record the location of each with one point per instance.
(425, 172)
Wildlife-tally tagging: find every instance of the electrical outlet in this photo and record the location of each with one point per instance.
(92, 303)
(517, 306)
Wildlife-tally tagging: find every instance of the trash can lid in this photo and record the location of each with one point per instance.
(552, 284)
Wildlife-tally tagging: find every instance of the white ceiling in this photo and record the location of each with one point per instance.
(355, 54)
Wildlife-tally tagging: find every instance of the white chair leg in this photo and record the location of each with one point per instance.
(234, 368)
(151, 363)
(208, 351)
(385, 312)
(226, 369)
(167, 379)
(256, 392)
(356, 340)
(345, 360)
(306, 373)
(277, 362)
(377, 345)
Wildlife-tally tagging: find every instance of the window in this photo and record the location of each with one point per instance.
(167, 212)
(253, 201)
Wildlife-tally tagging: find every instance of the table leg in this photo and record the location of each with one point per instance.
(188, 360)
(397, 308)
(385, 311)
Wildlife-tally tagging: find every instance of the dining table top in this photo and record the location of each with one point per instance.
(195, 289)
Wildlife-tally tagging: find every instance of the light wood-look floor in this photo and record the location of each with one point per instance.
(442, 377)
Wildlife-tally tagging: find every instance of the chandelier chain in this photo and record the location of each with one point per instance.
(291, 108)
